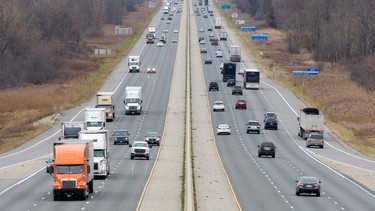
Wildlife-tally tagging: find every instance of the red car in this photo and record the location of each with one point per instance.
(241, 104)
(203, 50)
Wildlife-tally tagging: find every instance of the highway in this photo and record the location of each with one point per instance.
(259, 183)
(123, 188)
(268, 183)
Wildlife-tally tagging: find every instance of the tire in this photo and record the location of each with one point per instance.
(114, 143)
(132, 157)
(91, 186)
(214, 110)
(148, 158)
(247, 131)
(258, 131)
(158, 144)
(318, 194)
(259, 155)
(273, 156)
(56, 198)
(297, 193)
(321, 146)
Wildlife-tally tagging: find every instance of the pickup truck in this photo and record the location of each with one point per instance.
(253, 126)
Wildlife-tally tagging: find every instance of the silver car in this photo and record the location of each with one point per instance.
(315, 139)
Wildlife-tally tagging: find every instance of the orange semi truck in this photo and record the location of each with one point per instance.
(73, 169)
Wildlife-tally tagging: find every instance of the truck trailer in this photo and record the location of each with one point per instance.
(229, 71)
(235, 53)
(95, 118)
(105, 100)
(218, 23)
(310, 120)
(70, 130)
(73, 169)
(133, 100)
(134, 64)
(101, 150)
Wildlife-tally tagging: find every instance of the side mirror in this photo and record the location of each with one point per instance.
(88, 169)
(258, 146)
(124, 102)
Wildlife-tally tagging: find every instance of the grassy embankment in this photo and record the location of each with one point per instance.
(23, 107)
(346, 105)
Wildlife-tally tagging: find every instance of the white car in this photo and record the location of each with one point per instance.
(160, 44)
(223, 129)
(202, 42)
(175, 31)
(166, 31)
(151, 70)
(211, 35)
(218, 106)
(174, 41)
(219, 53)
(140, 149)
(201, 29)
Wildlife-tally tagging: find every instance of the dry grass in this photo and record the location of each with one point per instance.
(347, 106)
(23, 107)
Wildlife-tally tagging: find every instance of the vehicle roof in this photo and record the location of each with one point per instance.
(267, 143)
(223, 125)
(271, 119)
(308, 178)
(218, 101)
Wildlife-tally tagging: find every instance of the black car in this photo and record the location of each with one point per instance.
(209, 29)
(270, 123)
(308, 184)
(169, 18)
(153, 138)
(120, 137)
(267, 148)
(49, 165)
(237, 90)
(231, 82)
(213, 86)
(200, 38)
(208, 61)
(205, 16)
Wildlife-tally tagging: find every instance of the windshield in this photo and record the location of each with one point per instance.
(152, 134)
(120, 133)
(94, 124)
(133, 63)
(252, 77)
(140, 144)
(76, 169)
(132, 100)
(317, 136)
(98, 153)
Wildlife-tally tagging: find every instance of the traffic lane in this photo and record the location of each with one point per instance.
(332, 149)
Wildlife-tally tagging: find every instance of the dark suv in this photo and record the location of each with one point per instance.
(267, 148)
(231, 82)
(237, 90)
(213, 86)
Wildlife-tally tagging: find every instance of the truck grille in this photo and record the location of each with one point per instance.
(96, 166)
(68, 184)
(139, 150)
(133, 108)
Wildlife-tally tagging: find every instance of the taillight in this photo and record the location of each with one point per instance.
(316, 185)
(300, 185)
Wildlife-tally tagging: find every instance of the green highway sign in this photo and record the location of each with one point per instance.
(225, 6)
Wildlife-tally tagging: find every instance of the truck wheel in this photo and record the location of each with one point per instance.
(258, 131)
(273, 156)
(91, 186)
(131, 157)
(148, 158)
(55, 198)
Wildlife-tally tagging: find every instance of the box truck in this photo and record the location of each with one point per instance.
(133, 100)
(101, 150)
(235, 53)
(134, 64)
(105, 100)
(218, 23)
(95, 118)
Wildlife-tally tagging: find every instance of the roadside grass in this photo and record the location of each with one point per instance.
(348, 108)
(24, 106)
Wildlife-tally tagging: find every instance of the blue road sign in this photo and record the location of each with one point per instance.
(248, 29)
(259, 37)
(309, 71)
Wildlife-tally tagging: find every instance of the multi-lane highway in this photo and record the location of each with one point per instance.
(269, 183)
(258, 183)
(124, 186)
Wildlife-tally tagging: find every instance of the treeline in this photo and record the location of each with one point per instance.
(36, 37)
(336, 31)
